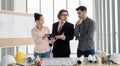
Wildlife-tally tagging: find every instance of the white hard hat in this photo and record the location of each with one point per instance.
(115, 58)
(7, 59)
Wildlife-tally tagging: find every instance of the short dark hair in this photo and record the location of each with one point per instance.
(37, 16)
(82, 8)
(60, 13)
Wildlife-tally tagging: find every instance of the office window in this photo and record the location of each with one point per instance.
(33, 6)
(0, 53)
(0, 5)
(118, 1)
(102, 24)
(89, 5)
(108, 25)
(116, 26)
(72, 10)
(58, 5)
(47, 11)
(73, 17)
(50, 9)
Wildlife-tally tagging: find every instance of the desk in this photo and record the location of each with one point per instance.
(65, 62)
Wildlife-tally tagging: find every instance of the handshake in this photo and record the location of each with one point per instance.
(52, 38)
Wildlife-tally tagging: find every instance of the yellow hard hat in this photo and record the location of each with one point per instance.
(20, 57)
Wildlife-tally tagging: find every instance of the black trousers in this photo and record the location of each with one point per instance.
(60, 55)
(85, 53)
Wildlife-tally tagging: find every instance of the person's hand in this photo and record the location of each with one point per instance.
(60, 36)
(52, 40)
(45, 36)
(79, 21)
(76, 38)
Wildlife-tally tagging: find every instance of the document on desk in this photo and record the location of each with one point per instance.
(58, 61)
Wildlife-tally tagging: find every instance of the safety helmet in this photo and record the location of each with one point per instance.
(7, 59)
(115, 58)
(20, 57)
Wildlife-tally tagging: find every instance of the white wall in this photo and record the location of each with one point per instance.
(20, 6)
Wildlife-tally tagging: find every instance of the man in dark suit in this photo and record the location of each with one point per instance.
(63, 32)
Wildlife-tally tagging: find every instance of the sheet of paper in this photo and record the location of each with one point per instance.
(59, 62)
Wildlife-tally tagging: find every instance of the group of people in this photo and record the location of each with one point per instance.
(62, 32)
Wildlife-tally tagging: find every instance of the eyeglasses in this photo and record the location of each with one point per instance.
(64, 15)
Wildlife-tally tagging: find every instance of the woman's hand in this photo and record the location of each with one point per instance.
(45, 36)
(52, 40)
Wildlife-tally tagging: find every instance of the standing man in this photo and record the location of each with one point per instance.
(84, 33)
(64, 32)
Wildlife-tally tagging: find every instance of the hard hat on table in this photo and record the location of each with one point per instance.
(20, 57)
(7, 59)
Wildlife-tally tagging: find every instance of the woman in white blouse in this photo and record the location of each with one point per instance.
(40, 37)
